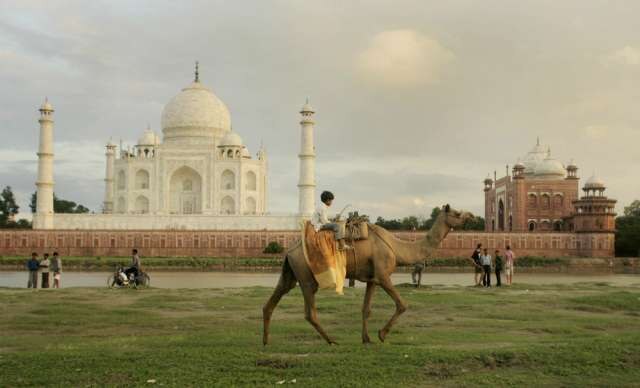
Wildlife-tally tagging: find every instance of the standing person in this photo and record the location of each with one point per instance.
(477, 266)
(485, 259)
(499, 266)
(417, 272)
(510, 264)
(56, 268)
(44, 269)
(135, 265)
(32, 265)
(320, 219)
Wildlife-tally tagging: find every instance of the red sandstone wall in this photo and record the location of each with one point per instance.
(251, 243)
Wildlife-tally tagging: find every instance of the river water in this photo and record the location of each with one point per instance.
(245, 279)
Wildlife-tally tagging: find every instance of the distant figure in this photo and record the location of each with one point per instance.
(499, 265)
(135, 265)
(352, 282)
(32, 265)
(510, 258)
(477, 266)
(44, 269)
(56, 268)
(417, 272)
(485, 259)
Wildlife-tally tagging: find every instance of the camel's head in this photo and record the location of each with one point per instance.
(454, 218)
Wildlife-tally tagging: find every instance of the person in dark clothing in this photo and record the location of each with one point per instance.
(499, 267)
(477, 266)
(417, 273)
(32, 265)
(135, 265)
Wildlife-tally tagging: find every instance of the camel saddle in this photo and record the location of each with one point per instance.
(357, 229)
(327, 263)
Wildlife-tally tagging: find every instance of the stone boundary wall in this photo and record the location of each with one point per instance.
(238, 243)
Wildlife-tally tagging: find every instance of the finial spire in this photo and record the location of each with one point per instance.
(537, 138)
(197, 79)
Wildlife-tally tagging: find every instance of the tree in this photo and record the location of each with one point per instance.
(633, 209)
(8, 206)
(427, 224)
(474, 223)
(59, 205)
(628, 231)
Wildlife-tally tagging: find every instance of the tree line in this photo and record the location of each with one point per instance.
(9, 209)
(425, 223)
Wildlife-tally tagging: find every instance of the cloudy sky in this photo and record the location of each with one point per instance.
(416, 100)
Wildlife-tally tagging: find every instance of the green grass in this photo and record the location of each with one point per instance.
(564, 335)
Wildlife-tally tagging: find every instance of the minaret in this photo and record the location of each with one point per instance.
(307, 156)
(110, 154)
(43, 219)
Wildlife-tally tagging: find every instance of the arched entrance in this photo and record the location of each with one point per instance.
(185, 191)
(500, 214)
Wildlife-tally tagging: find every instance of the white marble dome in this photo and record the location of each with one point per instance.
(231, 139)
(594, 183)
(195, 112)
(550, 168)
(148, 138)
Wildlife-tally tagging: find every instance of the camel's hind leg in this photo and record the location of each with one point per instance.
(401, 307)
(366, 311)
(311, 312)
(285, 284)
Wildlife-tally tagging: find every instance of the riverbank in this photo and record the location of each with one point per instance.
(526, 335)
(274, 262)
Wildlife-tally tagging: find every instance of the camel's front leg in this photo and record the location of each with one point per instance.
(366, 311)
(401, 307)
(311, 312)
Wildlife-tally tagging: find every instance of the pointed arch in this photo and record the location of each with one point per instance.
(142, 179)
(142, 205)
(185, 191)
(228, 180)
(227, 205)
(250, 206)
(251, 181)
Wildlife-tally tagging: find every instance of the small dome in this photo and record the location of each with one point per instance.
(518, 165)
(550, 168)
(594, 183)
(245, 153)
(148, 138)
(533, 158)
(231, 139)
(46, 105)
(572, 165)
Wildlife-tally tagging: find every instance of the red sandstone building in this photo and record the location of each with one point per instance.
(542, 195)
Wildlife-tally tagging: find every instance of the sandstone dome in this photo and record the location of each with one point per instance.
(195, 113)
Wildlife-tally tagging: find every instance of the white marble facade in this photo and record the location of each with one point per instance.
(199, 174)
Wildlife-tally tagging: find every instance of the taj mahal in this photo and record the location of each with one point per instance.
(198, 175)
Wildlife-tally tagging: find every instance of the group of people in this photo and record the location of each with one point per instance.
(484, 263)
(45, 267)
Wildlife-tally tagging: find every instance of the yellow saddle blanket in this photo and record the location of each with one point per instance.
(327, 263)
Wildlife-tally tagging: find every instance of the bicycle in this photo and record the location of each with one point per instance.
(119, 279)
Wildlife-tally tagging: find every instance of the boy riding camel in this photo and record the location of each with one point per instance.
(320, 219)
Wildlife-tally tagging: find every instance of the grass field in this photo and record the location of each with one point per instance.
(577, 335)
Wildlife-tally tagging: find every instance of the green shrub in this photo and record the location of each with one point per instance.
(273, 247)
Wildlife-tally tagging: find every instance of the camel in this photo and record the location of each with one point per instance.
(376, 259)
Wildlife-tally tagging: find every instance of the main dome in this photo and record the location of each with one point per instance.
(195, 114)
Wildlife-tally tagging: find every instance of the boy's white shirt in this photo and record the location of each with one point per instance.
(320, 216)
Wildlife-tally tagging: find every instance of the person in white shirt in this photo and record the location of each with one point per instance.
(320, 219)
(485, 259)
